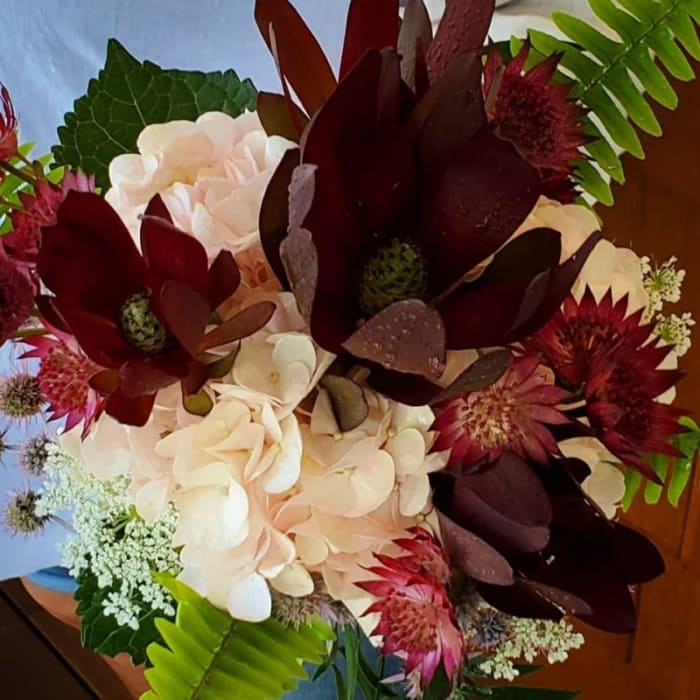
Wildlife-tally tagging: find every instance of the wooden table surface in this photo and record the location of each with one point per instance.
(658, 211)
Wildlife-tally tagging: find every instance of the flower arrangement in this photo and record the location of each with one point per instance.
(351, 360)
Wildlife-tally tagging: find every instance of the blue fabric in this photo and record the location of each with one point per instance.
(55, 578)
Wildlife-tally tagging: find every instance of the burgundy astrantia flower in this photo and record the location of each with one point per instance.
(622, 389)
(583, 331)
(537, 114)
(64, 378)
(511, 414)
(142, 317)
(8, 125)
(39, 209)
(537, 546)
(16, 296)
(395, 198)
(417, 620)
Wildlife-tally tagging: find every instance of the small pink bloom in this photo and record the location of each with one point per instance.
(64, 378)
(8, 125)
(511, 414)
(417, 620)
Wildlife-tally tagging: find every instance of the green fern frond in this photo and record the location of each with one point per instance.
(617, 78)
(210, 655)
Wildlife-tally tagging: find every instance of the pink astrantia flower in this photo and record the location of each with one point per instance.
(511, 414)
(38, 210)
(64, 378)
(417, 620)
(8, 125)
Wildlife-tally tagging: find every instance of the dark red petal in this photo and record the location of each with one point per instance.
(301, 58)
(414, 40)
(49, 313)
(274, 212)
(471, 555)
(99, 337)
(277, 118)
(105, 382)
(224, 278)
(479, 202)
(185, 312)
(463, 28)
(130, 411)
(89, 258)
(371, 24)
(243, 324)
(407, 336)
(143, 376)
(172, 254)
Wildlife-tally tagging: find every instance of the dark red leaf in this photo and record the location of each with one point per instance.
(130, 411)
(156, 208)
(196, 378)
(89, 258)
(404, 388)
(274, 212)
(559, 285)
(371, 24)
(471, 555)
(414, 40)
(300, 260)
(638, 556)
(301, 58)
(143, 376)
(448, 115)
(481, 374)
(478, 203)
(99, 337)
(243, 324)
(105, 382)
(224, 278)
(277, 118)
(407, 336)
(520, 600)
(185, 312)
(463, 28)
(172, 254)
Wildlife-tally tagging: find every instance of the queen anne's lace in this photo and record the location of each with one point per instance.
(111, 540)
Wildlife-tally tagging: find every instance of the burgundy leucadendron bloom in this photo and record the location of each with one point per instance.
(512, 414)
(538, 115)
(8, 125)
(393, 201)
(140, 316)
(417, 620)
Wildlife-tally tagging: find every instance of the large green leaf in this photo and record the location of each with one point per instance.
(605, 74)
(210, 656)
(102, 632)
(128, 95)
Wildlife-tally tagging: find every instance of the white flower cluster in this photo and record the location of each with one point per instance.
(111, 540)
(663, 285)
(529, 639)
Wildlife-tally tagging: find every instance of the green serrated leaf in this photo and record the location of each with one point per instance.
(102, 632)
(682, 470)
(352, 659)
(633, 482)
(652, 491)
(128, 95)
(593, 182)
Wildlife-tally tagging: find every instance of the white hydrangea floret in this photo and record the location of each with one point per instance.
(111, 540)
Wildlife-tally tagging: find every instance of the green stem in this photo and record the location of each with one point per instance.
(29, 333)
(17, 172)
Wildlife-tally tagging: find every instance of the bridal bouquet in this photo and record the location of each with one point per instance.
(350, 367)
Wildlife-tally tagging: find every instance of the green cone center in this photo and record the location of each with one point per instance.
(141, 326)
(395, 272)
